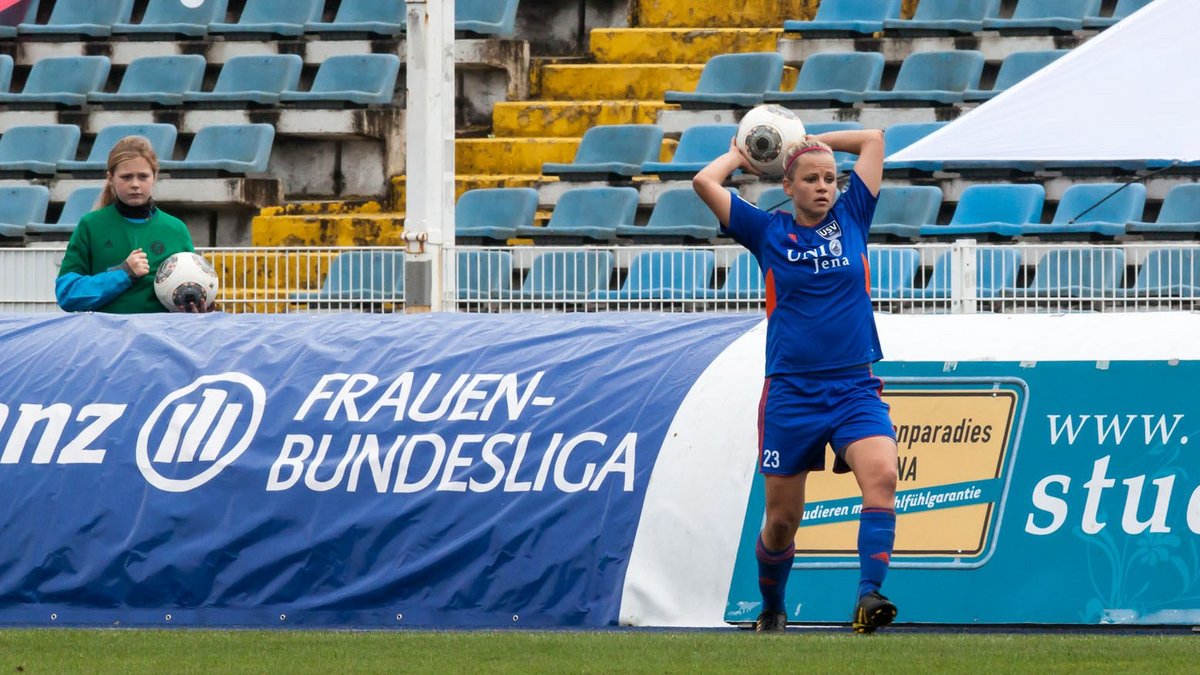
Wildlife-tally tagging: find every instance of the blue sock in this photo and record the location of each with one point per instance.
(773, 568)
(876, 538)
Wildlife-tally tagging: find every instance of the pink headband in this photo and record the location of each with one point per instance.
(792, 160)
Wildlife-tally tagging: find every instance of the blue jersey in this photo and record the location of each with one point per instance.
(818, 283)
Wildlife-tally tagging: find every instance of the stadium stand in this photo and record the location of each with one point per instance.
(570, 275)
(161, 137)
(155, 81)
(1015, 67)
(1123, 9)
(360, 79)
(698, 145)
(832, 80)
(901, 135)
(37, 148)
(738, 80)
(1093, 209)
(1167, 273)
(1081, 272)
(678, 214)
(494, 213)
(61, 81)
(356, 18)
(1041, 16)
(263, 19)
(486, 17)
(81, 18)
(893, 273)
(679, 274)
(932, 78)
(587, 214)
(1179, 215)
(81, 201)
(21, 205)
(6, 68)
(355, 276)
(230, 148)
(991, 211)
(743, 281)
(902, 210)
(943, 17)
(251, 80)
(484, 275)
(8, 29)
(616, 150)
(172, 18)
(846, 17)
(996, 272)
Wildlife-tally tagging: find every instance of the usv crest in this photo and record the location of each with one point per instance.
(833, 233)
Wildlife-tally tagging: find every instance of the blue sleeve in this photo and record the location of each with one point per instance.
(746, 223)
(857, 203)
(76, 292)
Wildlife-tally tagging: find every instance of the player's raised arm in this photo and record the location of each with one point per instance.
(868, 145)
(709, 183)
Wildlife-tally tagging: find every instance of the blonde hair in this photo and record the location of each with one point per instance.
(130, 147)
(795, 150)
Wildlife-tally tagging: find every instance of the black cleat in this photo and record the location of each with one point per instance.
(873, 611)
(770, 621)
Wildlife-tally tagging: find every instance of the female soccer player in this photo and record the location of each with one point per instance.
(821, 340)
(113, 253)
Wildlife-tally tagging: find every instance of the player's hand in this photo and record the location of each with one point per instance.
(137, 263)
(193, 308)
(743, 162)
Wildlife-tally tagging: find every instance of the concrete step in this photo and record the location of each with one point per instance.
(742, 13)
(312, 208)
(679, 45)
(511, 155)
(570, 118)
(622, 82)
(464, 182)
(354, 229)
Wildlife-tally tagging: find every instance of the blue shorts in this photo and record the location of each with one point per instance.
(800, 414)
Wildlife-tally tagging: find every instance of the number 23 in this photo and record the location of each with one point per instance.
(771, 459)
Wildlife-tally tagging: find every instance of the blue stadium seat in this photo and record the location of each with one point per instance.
(88, 18)
(494, 213)
(264, 18)
(484, 275)
(677, 213)
(161, 137)
(1166, 273)
(932, 78)
(893, 273)
(386, 18)
(996, 271)
(252, 79)
(360, 275)
(1179, 214)
(230, 148)
(1084, 272)
(1045, 16)
(362, 79)
(743, 281)
(679, 274)
(844, 160)
(486, 17)
(1123, 9)
(588, 213)
(37, 148)
(901, 135)
(733, 80)
(21, 205)
(837, 17)
(831, 80)
(611, 150)
(566, 275)
(1014, 68)
(774, 199)
(1107, 219)
(6, 69)
(173, 18)
(699, 144)
(11, 18)
(944, 17)
(61, 80)
(992, 211)
(81, 201)
(902, 210)
(156, 80)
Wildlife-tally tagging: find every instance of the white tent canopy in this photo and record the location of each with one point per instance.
(1132, 92)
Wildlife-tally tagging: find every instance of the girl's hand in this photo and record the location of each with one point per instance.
(137, 263)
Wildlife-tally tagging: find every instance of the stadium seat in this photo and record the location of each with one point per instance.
(1115, 204)
(486, 17)
(8, 29)
(84, 18)
(386, 18)
(1167, 273)
(61, 80)
(174, 18)
(733, 80)
(743, 281)
(161, 137)
(996, 271)
(839, 17)
(6, 69)
(1179, 214)
(991, 211)
(677, 213)
(484, 275)
(844, 160)
(932, 78)
(494, 213)
(774, 199)
(37, 148)
(566, 275)
(21, 205)
(156, 80)
(230, 148)
(81, 201)
(252, 79)
(360, 275)
(699, 144)
(680, 274)
(265, 18)
(611, 150)
(1083, 272)
(1014, 68)
(363, 79)
(831, 80)
(902, 210)
(1045, 16)
(893, 272)
(588, 213)
(1123, 9)
(899, 136)
(943, 17)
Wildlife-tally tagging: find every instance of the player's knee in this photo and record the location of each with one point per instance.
(779, 529)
